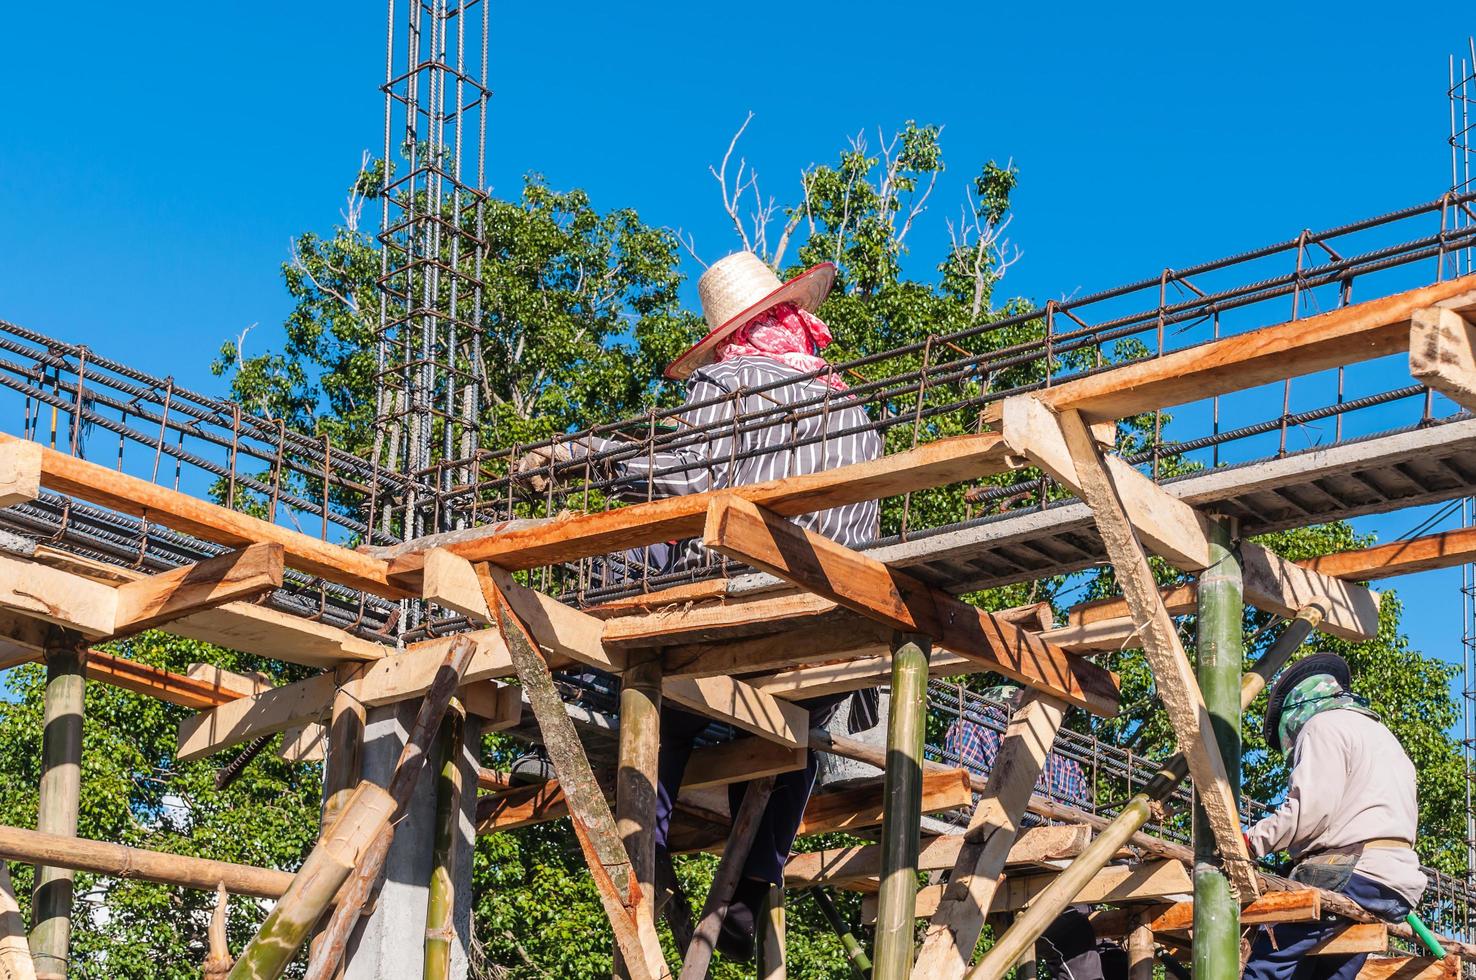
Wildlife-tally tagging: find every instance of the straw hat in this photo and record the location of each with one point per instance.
(738, 288)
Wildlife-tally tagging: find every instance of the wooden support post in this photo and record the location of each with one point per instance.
(902, 806)
(1140, 950)
(1177, 687)
(954, 930)
(771, 964)
(635, 782)
(593, 822)
(725, 879)
(365, 816)
(342, 770)
(1218, 657)
(15, 952)
(440, 923)
(61, 788)
(218, 960)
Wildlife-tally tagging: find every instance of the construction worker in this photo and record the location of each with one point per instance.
(760, 359)
(1348, 821)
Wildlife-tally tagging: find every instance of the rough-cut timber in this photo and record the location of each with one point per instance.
(15, 952)
(159, 599)
(1441, 354)
(1411, 968)
(725, 879)
(846, 867)
(140, 498)
(1141, 882)
(1175, 682)
(740, 529)
(1355, 333)
(948, 946)
(1304, 905)
(20, 472)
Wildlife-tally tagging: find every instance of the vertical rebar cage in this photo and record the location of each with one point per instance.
(432, 245)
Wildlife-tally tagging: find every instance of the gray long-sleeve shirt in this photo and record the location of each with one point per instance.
(730, 453)
(1351, 782)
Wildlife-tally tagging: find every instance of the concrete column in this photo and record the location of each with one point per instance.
(390, 941)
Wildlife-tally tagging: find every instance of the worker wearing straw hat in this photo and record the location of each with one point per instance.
(1348, 821)
(762, 404)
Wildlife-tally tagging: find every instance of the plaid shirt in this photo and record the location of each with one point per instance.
(975, 745)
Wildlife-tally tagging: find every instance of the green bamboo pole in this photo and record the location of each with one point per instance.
(363, 818)
(771, 964)
(855, 954)
(61, 789)
(1219, 655)
(1043, 910)
(440, 924)
(902, 808)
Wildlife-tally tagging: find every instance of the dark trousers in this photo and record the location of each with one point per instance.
(776, 829)
(1071, 950)
(1280, 951)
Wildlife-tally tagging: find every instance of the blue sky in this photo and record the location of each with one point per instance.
(156, 167)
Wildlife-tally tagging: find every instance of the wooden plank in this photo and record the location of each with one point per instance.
(1443, 550)
(1116, 883)
(171, 595)
(934, 464)
(1355, 937)
(866, 671)
(163, 685)
(844, 866)
(140, 498)
(20, 472)
(1410, 968)
(743, 705)
(740, 529)
(948, 945)
(305, 743)
(725, 620)
(854, 809)
(1177, 687)
(1354, 333)
(1441, 354)
(1301, 905)
(57, 597)
(1173, 529)
(271, 711)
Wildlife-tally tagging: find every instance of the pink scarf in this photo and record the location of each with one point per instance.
(788, 334)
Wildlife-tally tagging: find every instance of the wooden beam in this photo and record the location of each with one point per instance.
(948, 945)
(1301, 905)
(1354, 937)
(854, 809)
(15, 949)
(57, 597)
(1411, 968)
(1354, 333)
(742, 530)
(852, 675)
(934, 464)
(20, 472)
(163, 685)
(843, 867)
(1173, 529)
(1177, 688)
(1441, 354)
(1443, 550)
(1116, 883)
(731, 700)
(726, 620)
(159, 599)
(182, 512)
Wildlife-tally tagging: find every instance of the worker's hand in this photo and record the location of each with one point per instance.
(539, 459)
(1248, 848)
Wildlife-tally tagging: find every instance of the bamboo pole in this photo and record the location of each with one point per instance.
(15, 952)
(1044, 908)
(61, 789)
(902, 808)
(117, 861)
(771, 965)
(218, 962)
(635, 783)
(1219, 653)
(855, 954)
(725, 880)
(1140, 950)
(342, 766)
(440, 912)
(366, 876)
(365, 816)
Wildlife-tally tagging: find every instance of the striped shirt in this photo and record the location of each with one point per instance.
(976, 746)
(730, 454)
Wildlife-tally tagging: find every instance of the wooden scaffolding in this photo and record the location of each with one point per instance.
(821, 619)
